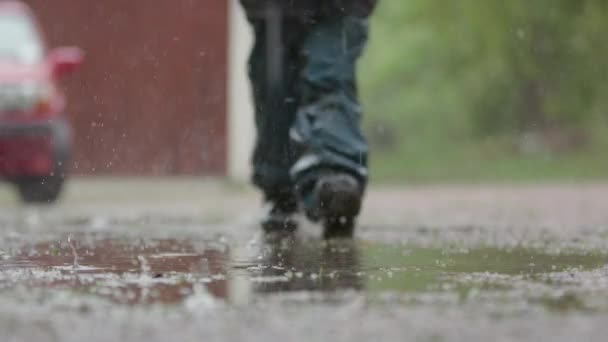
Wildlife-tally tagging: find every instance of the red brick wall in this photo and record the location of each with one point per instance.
(151, 96)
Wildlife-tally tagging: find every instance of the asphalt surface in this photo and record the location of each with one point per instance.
(161, 259)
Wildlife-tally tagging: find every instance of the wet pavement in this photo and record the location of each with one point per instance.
(121, 262)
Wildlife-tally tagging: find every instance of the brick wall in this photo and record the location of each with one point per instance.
(151, 96)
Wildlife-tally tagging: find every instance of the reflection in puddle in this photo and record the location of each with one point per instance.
(295, 265)
(144, 271)
(126, 271)
(408, 268)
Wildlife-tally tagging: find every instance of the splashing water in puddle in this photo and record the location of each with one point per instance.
(74, 253)
(144, 271)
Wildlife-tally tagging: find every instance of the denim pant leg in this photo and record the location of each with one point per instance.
(275, 153)
(328, 122)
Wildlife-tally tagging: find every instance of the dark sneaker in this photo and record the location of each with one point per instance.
(280, 215)
(336, 202)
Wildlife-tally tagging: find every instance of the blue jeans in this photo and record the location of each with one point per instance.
(315, 126)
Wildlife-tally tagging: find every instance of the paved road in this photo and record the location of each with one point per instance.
(160, 259)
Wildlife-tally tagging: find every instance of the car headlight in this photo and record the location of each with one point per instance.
(24, 96)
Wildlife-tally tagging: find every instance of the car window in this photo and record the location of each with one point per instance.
(19, 42)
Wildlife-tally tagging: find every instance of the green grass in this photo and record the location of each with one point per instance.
(424, 157)
(478, 161)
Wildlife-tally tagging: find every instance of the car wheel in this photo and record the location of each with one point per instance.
(40, 190)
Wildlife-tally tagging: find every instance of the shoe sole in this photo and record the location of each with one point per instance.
(339, 204)
(279, 225)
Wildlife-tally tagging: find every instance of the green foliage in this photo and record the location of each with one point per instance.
(440, 73)
(508, 64)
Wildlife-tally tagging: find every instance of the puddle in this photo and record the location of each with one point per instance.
(145, 271)
(124, 270)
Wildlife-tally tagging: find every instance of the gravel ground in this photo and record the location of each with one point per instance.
(160, 259)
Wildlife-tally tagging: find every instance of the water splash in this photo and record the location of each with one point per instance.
(144, 266)
(74, 253)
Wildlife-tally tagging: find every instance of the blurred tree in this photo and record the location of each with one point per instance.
(510, 66)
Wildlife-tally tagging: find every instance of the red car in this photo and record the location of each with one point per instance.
(35, 138)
